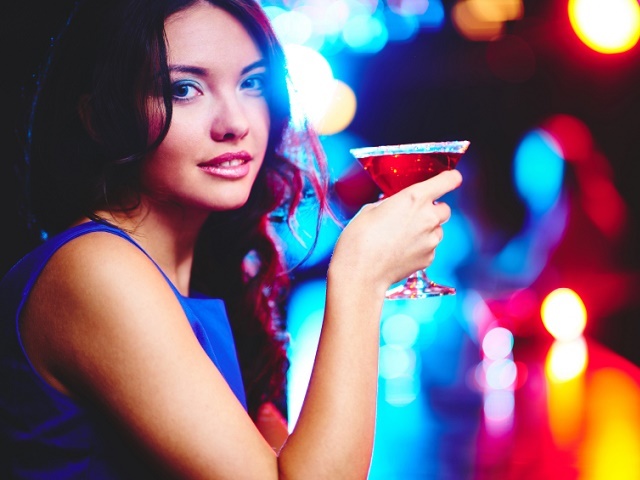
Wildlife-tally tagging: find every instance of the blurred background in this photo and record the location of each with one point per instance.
(542, 245)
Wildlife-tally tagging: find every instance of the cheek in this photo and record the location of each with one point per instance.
(163, 164)
(184, 137)
(166, 148)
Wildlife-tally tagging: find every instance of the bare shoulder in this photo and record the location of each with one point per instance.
(102, 323)
(98, 270)
(96, 291)
(101, 257)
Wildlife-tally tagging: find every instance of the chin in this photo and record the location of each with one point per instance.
(231, 204)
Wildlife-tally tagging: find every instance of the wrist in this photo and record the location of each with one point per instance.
(351, 279)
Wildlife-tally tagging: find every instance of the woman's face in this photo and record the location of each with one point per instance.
(219, 131)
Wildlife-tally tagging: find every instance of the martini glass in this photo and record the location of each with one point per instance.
(395, 167)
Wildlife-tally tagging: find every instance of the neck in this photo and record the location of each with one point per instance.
(168, 237)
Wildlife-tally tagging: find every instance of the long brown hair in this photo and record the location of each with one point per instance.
(108, 60)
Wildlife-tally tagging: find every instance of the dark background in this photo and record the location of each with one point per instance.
(438, 86)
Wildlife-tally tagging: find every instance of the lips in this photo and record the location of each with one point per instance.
(231, 165)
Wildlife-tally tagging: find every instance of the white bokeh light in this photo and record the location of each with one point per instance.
(312, 82)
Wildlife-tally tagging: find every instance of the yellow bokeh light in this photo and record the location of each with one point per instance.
(340, 111)
(564, 314)
(566, 360)
(606, 27)
(564, 367)
(612, 434)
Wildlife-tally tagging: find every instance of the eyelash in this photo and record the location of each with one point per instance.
(245, 84)
(181, 85)
(260, 78)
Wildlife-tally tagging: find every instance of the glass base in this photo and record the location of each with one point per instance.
(418, 286)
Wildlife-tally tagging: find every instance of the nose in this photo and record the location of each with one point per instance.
(229, 120)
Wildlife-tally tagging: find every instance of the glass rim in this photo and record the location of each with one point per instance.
(452, 146)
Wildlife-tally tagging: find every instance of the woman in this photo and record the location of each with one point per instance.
(160, 144)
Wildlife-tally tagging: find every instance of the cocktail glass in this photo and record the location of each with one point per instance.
(395, 167)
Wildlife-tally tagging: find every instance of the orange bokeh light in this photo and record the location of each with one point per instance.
(473, 28)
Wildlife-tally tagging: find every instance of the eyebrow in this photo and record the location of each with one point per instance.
(200, 71)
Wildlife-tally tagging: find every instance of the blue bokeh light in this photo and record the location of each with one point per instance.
(401, 28)
(362, 27)
(365, 34)
(306, 311)
(433, 17)
(298, 245)
(538, 171)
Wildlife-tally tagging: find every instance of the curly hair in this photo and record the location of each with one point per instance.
(109, 60)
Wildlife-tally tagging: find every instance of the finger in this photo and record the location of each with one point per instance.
(443, 212)
(442, 183)
(438, 233)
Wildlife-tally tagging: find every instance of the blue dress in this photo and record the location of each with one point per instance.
(47, 435)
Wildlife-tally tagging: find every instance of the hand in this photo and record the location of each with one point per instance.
(388, 240)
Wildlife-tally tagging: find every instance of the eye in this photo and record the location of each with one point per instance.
(183, 91)
(254, 83)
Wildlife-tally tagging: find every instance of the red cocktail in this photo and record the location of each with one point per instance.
(395, 167)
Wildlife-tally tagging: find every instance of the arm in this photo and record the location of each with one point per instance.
(107, 327)
(382, 244)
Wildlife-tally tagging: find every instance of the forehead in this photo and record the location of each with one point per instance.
(203, 33)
